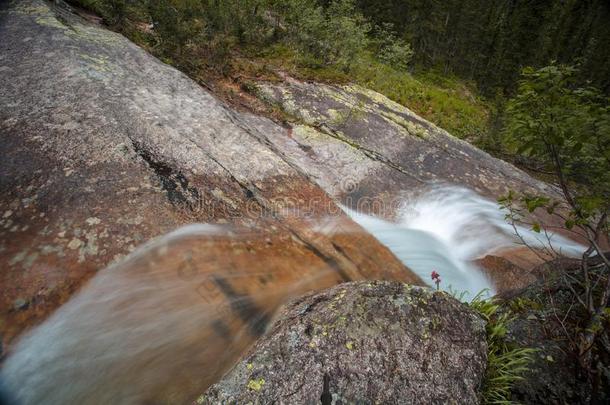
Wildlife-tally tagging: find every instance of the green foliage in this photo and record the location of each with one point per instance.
(393, 51)
(521, 304)
(490, 41)
(116, 10)
(173, 23)
(505, 363)
(519, 207)
(567, 130)
(446, 101)
(332, 35)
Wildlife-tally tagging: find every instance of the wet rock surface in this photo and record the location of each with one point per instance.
(363, 342)
(104, 147)
(505, 274)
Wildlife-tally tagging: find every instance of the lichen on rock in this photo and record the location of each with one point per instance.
(375, 342)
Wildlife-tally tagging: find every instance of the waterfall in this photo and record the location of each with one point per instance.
(446, 228)
(171, 318)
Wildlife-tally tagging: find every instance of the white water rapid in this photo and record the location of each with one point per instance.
(446, 228)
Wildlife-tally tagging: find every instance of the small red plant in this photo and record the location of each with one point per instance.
(437, 279)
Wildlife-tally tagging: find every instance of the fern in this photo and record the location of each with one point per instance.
(506, 363)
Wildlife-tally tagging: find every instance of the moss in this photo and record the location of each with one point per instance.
(452, 107)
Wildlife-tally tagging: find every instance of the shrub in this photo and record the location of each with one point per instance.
(392, 50)
(334, 35)
(567, 130)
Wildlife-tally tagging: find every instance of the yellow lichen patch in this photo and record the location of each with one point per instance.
(410, 127)
(377, 98)
(36, 10)
(50, 21)
(349, 345)
(256, 385)
(97, 63)
(287, 103)
(349, 96)
(306, 132)
(43, 14)
(336, 117)
(249, 366)
(95, 35)
(341, 320)
(340, 296)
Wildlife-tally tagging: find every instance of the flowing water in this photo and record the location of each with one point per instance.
(447, 228)
(169, 320)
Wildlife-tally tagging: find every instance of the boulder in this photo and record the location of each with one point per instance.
(363, 342)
